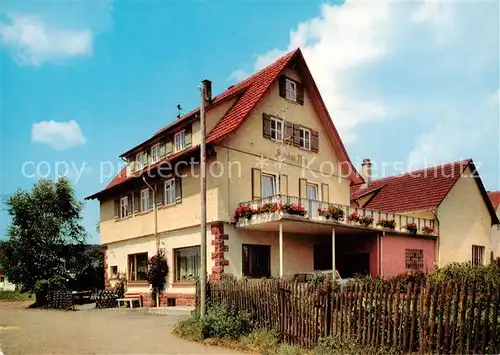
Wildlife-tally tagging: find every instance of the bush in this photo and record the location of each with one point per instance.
(263, 342)
(332, 345)
(223, 322)
(190, 328)
(157, 273)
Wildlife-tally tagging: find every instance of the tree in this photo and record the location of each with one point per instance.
(157, 273)
(45, 222)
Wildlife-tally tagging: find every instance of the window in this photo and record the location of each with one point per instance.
(291, 90)
(139, 161)
(312, 191)
(170, 197)
(414, 259)
(477, 255)
(145, 200)
(124, 207)
(113, 271)
(276, 129)
(305, 139)
(268, 185)
(138, 267)
(2, 279)
(187, 264)
(179, 141)
(256, 260)
(155, 153)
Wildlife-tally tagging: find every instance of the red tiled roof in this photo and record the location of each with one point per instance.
(415, 191)
(494, 198)
(250, 91)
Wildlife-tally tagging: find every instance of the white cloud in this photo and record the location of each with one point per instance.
(59, 135)
(32, 42)
(426, 66)
(237, 75)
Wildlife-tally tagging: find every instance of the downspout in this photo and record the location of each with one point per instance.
(155, 207)
(437, 253)
(381, 259)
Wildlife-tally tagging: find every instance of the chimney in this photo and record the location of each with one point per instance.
(208, 90)
(366, 171)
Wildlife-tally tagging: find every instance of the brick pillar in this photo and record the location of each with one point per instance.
(107, 284)
(218, 241)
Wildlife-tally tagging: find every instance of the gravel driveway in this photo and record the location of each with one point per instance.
(108, 331)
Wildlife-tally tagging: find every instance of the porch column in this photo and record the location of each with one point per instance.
(333, 253)
(281, 249)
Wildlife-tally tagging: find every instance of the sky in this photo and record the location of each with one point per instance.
(83, 81)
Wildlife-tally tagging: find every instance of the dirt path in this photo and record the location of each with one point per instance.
(109, 331)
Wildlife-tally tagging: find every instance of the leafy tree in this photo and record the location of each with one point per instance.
(46, 221)
(157, 273)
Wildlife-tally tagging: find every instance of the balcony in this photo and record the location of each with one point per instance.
(282, 207)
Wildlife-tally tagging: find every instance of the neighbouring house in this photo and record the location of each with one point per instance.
(5, 285)
(278, 195)
(450, 194)
(495, 229)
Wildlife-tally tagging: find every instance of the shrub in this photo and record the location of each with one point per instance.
(121, 285)
(263, 342)
(333, 345)
(157, 273)
(223, 322)
(190, 328)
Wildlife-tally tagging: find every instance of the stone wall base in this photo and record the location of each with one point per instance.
(181, 299)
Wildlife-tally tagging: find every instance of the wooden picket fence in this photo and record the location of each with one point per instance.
(444, 318)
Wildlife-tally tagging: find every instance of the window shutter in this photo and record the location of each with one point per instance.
(169, 147)
(178, 190)
(325, 193)
(282, 85)
(161, 151)
(266, 126)
(288, 132)
(188, 137)
(256, 183)
(302, 188)
(300, 93)
(159, 194)
(314, 141)
(296, 135)
(129, 205)
(117, 208)
(151, 200)
(283, 185)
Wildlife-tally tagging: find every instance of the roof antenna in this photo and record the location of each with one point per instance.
(179, 110)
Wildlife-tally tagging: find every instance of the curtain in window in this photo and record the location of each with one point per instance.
(312, 192)
(187, 264)
(267, 186)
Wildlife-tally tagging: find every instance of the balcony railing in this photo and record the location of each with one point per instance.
(313, 207)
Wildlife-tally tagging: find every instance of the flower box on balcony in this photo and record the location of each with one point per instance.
(333, 212)
(387, 224)
(411, 228)
(427, 230)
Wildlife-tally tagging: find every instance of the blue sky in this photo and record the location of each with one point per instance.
(82, 82)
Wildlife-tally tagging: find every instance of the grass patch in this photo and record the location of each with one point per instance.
(15, 296)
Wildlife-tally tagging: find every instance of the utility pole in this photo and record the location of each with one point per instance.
(203, 195)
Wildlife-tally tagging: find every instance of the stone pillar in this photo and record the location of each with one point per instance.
(218, 241)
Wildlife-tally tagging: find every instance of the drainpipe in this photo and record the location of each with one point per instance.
(437, 252)
(155, 211)
(381, 258)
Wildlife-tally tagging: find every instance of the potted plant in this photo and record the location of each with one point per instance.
(427, 230)
(353, 217)
(323, 213)
(387, 223)
(244, 211)
(365, 220)
(411, 228)
(335, 213)
(294, 209)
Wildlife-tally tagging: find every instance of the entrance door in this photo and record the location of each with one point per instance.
(358, 263)
(322, 257)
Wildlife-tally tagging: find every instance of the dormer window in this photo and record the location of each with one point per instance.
(155, 153)
(139, 161)
(291, 90)
(179, 141)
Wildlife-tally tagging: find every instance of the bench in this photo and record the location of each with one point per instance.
(130, 298)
